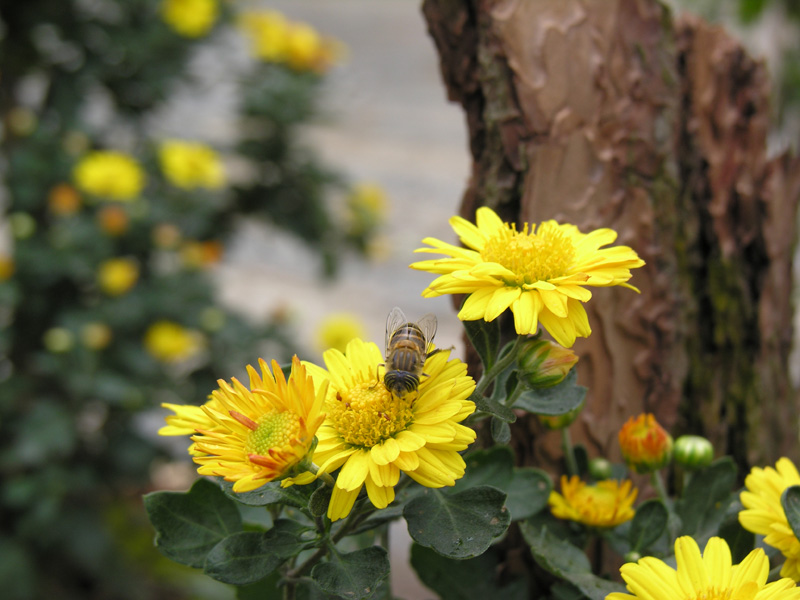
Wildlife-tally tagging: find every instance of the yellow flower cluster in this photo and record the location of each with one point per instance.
(117, 276)
(190, 18)
(109, 174)
(275, 39)
(170, 342)
(190, 165)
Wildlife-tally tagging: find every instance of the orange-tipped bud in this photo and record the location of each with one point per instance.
(646, 446)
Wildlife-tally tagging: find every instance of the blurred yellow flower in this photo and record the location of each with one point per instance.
(645, 445)
(764, 514)
(539, 272)
(113, 220)
(169, 342)
(96, 335)
(268, 33)
(117, 276)
(190, 18)
(256, 435)
(167, 236)
(366, 205)
(337, 330)
(109, 174)
(191, 165)
(196, 255)
(608, 503)
(6, 267)
(63, 200)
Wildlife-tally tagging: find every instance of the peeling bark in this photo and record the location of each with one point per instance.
(605, 113)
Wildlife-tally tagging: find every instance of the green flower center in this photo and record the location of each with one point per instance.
(531, 256)
(275, 430)
(367, 414)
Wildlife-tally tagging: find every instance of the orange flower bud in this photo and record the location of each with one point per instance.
(646, 446)
(113, 220)
(63, 200)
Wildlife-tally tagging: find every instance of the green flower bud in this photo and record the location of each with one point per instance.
(600, 469)
(543, 363)
(693, 452)
(632, 556)
(561, 421)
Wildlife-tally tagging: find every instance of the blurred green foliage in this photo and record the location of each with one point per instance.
(74, 368)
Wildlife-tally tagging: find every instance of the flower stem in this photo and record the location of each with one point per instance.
(501, 365)
(327, 478)
(655, 478)
(569, 452)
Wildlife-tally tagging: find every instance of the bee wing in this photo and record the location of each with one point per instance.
(394, 321)
(428, 326)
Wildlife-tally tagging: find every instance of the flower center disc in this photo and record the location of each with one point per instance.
(275, 430)
(531, 256)
(368, 414)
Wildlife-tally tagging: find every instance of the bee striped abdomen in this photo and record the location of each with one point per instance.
(406, 351)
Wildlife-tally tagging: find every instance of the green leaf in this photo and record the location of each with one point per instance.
(493, 407)
(493, 466)
(790, 500)
(319, 501)
(270, 493)
(706, 498)
(740, 541)
(248, 556)
(485, 338)
(649, 522)
(568, 562)
(189, 524)
(265, 589)
(355, 575)
(460, 525)
(528, 492)
(501, 432)
(463, 579)
(552, 401)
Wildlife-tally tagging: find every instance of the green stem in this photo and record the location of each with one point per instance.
(501, 365)
(326, 478)
(569, 452)
(655, 478)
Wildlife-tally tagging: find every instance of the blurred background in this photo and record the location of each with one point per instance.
(189, 185)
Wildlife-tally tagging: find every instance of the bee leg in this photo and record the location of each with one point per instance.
(377, 375)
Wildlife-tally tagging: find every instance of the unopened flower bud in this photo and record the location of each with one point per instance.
(646, 446)
(562, 421)
(693, 451)
(543, 363)
(632, 556)
(600, 468)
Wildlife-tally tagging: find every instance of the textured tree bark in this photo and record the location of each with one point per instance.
(607, 113)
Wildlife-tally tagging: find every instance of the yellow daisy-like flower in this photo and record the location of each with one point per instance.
(646, 446)
(764, 514)
(190, 18)
(170, 342)
(116, 276)
(710, 576)
(538, 273)
(606, 504)
(256, 435)
(109, 174)
(191, 165)
(373, 435)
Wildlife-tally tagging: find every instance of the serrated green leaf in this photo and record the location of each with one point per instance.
(493, 407)
(705, 499)
(528, 492)
(790, 500)
(474, 578)
(189, 524)
(248, 556)
(649, 522)
(460, 525)
(485, 338)
(553, 401)
(355, 575)
(493, 466)
(270, 493)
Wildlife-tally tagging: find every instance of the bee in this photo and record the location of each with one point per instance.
(407, 347)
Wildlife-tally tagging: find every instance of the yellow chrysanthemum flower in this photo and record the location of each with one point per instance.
(373, 435)
(645, 445)
(169, 342)
(606, 504)
(190, 18)
(256, 435)
(116, 276)
(764, 514)
(109, 174)
(191, 165)
(337, 330)
(538, 273)
(63, 200)
(710, 576)
(268, 31)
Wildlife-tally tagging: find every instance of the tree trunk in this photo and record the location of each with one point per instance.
(607, 113)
